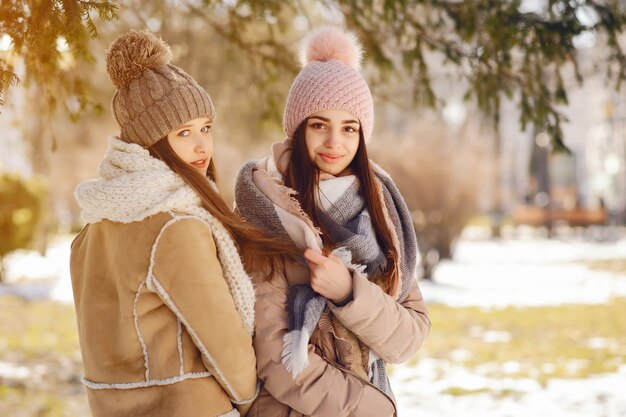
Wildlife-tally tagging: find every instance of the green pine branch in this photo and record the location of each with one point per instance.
(499, 49)
(36, 28)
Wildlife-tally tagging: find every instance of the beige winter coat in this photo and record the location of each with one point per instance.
(394, 331)
(158, 328)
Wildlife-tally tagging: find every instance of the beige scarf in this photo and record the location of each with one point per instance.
(132, 186)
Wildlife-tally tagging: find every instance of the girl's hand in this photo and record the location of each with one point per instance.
(329, 276)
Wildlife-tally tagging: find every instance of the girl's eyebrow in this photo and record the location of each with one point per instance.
(324, 119)
(188, 125)
(320, 117)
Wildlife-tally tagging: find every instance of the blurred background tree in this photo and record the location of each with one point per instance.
(488, 52)
(40, 32)
(21, 206)
(442, 196)
(454, 83)
(501, 47)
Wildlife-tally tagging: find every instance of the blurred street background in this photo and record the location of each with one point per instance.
(503, 122)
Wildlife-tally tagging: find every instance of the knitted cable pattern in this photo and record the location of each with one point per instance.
(132, 186)
(153, 96)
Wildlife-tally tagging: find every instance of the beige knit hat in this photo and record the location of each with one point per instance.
(154, 97)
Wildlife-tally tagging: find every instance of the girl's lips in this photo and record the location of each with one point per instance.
(200, 163)
(330, 157)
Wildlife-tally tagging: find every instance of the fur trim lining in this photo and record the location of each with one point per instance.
(144, 348)
(145, 384)
(133, 186)
(239, 284)
(249, 400)
(155, 285)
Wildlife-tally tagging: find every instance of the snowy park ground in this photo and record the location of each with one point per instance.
(521, 327)
(524, 281)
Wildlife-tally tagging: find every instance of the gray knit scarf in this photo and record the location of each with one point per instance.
(346, 218)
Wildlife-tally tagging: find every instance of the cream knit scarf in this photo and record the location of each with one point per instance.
(132, 186)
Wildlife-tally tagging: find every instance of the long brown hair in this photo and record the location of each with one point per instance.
(259, 251)
(303, 176)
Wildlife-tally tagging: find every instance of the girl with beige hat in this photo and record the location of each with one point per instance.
(164, 304)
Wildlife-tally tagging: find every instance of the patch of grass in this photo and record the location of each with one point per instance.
(31, 330)
(569, 341)
(36, 333)
(5, 392)
(483, 221)
(507, 392)
(24, 402)
(460, 391)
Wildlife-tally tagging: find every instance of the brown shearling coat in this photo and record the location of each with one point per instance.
(158, 328)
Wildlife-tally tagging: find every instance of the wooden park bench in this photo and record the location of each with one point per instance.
(541, 216)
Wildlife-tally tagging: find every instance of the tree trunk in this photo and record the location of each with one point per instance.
(428, 268)
(445, 249)
(422, 249)
(39, 139)
(497, 211)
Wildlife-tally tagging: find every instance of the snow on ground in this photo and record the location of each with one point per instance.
(33, 276)
(483, 273)
(526, 272)
(419, 390)
(523, 272)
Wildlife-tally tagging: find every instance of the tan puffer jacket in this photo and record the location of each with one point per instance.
(394, 331)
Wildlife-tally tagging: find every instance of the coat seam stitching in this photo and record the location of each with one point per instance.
(142, 341)
(154, 285)
(180, 348)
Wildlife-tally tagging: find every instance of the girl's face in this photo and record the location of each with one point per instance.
(332, 140)
(193, 143)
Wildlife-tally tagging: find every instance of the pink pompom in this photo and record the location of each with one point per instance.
(327, 42)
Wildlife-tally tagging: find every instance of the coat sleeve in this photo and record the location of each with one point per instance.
(188, 277)
(321, 389)
(394, 331)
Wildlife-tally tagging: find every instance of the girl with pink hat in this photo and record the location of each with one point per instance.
(349, 303)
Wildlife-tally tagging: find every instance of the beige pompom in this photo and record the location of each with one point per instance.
(134, 52)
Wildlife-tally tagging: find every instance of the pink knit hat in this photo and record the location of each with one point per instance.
(329, 80)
